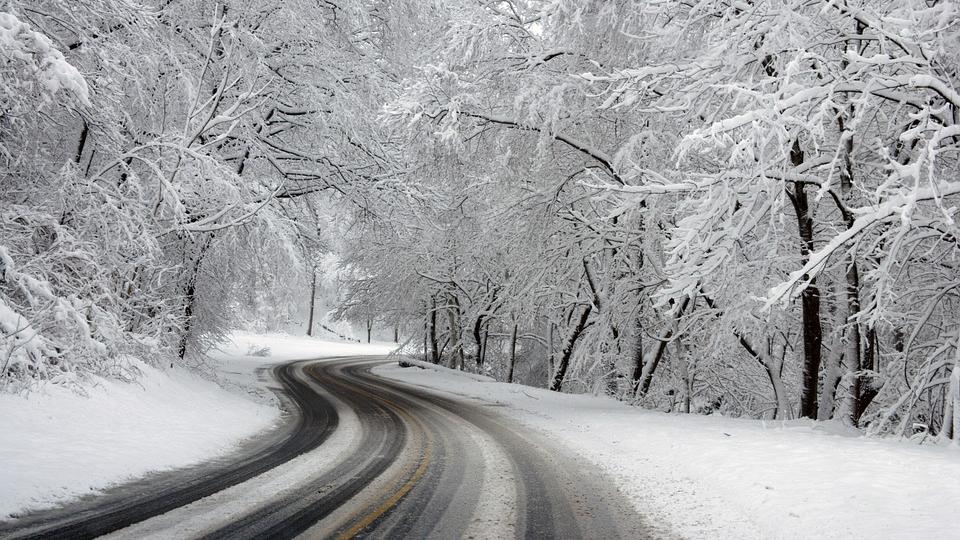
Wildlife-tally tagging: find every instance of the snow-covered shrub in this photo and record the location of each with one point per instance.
(258, 350)
(33, 71)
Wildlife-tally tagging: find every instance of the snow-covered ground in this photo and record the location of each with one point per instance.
(284, 347)
(714, 477)
(56, 445)
(704, 477)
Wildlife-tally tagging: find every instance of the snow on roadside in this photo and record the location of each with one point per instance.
(284, 347)
(244, 357)
(56, 445)
(715, 477)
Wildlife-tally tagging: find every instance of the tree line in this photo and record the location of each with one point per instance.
(745, 207)
(167, 168)
(708, 206)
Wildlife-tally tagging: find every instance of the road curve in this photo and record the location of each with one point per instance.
(416, 464)
(310, 421)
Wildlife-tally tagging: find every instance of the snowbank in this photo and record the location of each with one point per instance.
(267, 348)
(56, 445)
(714, 477)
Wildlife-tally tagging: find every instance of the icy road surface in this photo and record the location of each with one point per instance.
(364, 455)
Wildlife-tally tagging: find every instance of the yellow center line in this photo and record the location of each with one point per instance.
(397, 495)
(394, 499)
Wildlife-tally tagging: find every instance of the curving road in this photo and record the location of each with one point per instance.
(363, 456)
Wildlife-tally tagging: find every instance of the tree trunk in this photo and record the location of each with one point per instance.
(432, 322)
(513, 353)
(833, 371)
(486, 338)
(550, 332)
(313, 302)
(809, 298)
(951, 413)
(453, 317)
(773, 368)
(82, 143)
(812, 340)
(685, 373)
(831, 379)
(190, 297)
(870, 350)
(478, 339)
(564, 362)
(637, 355)
(369, 329)
(774, 371)
(853, 344)
(650, 366)
(857, 359)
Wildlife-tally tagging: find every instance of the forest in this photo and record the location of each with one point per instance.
(744, 207)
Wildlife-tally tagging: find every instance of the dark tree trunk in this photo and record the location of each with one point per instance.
(432, 331)
(478, 339)
(486, 338)
(313, 302)
(637, 356)
(646, 377)
(550, 366)
(82, 143)
(369, 329)
(870, 350)
(809, 298)
(190, 297)
(564, 361)
(853, 353)
(513, 353)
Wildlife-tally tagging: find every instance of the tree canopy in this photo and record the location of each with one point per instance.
(746, 207)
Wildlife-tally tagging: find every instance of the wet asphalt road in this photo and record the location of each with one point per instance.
(399, 462)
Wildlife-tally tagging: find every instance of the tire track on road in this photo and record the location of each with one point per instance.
(314, 420)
